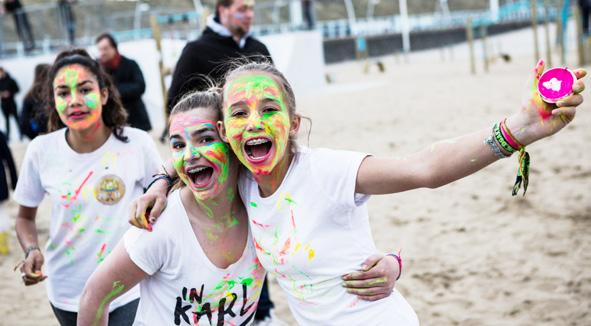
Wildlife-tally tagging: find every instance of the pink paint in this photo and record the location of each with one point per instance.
(556, 84)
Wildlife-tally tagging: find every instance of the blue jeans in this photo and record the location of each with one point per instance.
(121, 316)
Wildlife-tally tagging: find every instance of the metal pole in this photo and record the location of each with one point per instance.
(484, 46)
(494, 10)
(534, 26)
(547, 34)
(579, 34)
(470, 38)
(405, 26)
(157, 38)
(560, 33)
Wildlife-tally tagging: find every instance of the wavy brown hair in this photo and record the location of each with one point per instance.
(113, 116)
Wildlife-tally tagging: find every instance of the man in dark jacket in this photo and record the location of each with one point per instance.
(128, 79)
(226, 38)
(21, 22)
(8, 89)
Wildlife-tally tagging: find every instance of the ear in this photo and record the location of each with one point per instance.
(222, 131)
(104, 95)
(295, 125)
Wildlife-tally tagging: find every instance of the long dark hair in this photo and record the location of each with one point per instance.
(37, 90)
(114, 115)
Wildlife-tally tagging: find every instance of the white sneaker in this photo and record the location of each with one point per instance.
(271, 320)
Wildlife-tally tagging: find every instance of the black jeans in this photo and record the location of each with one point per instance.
(265, 303)
(121, 316)
(23, 29)
(9, 109)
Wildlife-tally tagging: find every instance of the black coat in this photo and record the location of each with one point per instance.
(209, 56)
(10, 85)
(129, 80)
(33, 118)
(6, 158)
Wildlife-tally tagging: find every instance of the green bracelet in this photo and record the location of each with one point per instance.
(501, 139)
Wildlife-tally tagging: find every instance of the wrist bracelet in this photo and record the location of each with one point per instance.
(161, 176)
(399, 263)
(29, 249)
(494, 147)
(501, 139)
(509, 136)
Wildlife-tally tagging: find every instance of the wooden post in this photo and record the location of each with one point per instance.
(470, 39)
(484, 46)
(547, 34)
(579, 37)
(158, 39)
(534, 26)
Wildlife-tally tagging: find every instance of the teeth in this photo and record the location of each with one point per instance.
(257, 141)
(199, 169)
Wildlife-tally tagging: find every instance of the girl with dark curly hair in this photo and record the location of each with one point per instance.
(91, 165)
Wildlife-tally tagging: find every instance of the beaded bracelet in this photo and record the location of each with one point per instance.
(29, 249)
(399, 259)
(495, 147)
(501, 139)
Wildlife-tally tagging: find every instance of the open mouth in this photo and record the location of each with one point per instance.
(200, 176)
(77, 115)
(258, 149)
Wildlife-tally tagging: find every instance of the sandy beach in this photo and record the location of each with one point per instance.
(473, 254)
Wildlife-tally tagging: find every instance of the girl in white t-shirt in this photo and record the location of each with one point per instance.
(199, 265)
(91, 166)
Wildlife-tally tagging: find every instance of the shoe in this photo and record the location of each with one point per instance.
(270, 320)
(4, 250)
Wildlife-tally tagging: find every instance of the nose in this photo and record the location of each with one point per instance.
(75, 99)
(191, 153)
(254, 122)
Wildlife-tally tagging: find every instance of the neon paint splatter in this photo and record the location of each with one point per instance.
(69, 198)
(118, 287)
(101, 254)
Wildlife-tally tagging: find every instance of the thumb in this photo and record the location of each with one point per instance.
(371, 261)
(538, 70)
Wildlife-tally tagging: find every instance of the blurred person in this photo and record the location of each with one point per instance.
(91, 166)
(64, 8)
(21, 22)
(128, 78)
(6, 161)
(8, 89)
(308, 11)
(226, 37)
(33, 117)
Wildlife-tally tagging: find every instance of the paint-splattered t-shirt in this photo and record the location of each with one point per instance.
(90, 195)
(313, 230)
(185, 287)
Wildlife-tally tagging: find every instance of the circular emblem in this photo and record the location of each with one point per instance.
(109, 190)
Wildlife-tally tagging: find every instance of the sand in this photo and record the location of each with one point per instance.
(473, 254)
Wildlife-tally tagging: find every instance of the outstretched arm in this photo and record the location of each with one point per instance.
(453, 159)
(114, 277)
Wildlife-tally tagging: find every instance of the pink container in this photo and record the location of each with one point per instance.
(556, 84)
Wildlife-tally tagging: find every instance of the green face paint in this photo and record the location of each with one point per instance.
(257, 122)
(71, 84)
(200, 157)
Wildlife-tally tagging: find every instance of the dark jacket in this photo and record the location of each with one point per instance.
(12, 6)
(129, 80)
(33, 118)
(6, 158)
(210, 56)
(10, 85)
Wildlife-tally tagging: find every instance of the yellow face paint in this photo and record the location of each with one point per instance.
(257, 121)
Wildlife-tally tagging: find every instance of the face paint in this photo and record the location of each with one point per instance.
(200, 157)
(71, 83)
(257, 122)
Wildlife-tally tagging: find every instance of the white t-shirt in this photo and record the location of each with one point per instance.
(90, 195)
(184, 286)
(314, 229)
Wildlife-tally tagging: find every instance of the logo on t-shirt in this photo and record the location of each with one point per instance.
(109, 189)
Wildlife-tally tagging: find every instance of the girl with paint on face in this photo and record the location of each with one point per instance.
(307, 207)
(199, 265)
(91, 166)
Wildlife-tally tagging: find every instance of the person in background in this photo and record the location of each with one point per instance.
(128, 79)
(64, 8)
(21, 22)
(8, 89)
(33, 117)
(6, 160)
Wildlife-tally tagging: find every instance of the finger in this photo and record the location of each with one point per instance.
(159, 206)
(578, 87)
(573, 100)
(27, 268)
(373, 297)
(566, 115)
(140, 214)
(380, 281)
(368, 291)
(371, 261)
(580, 73)
(363, 275)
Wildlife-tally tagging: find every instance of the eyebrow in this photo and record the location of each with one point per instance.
(82, 83)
